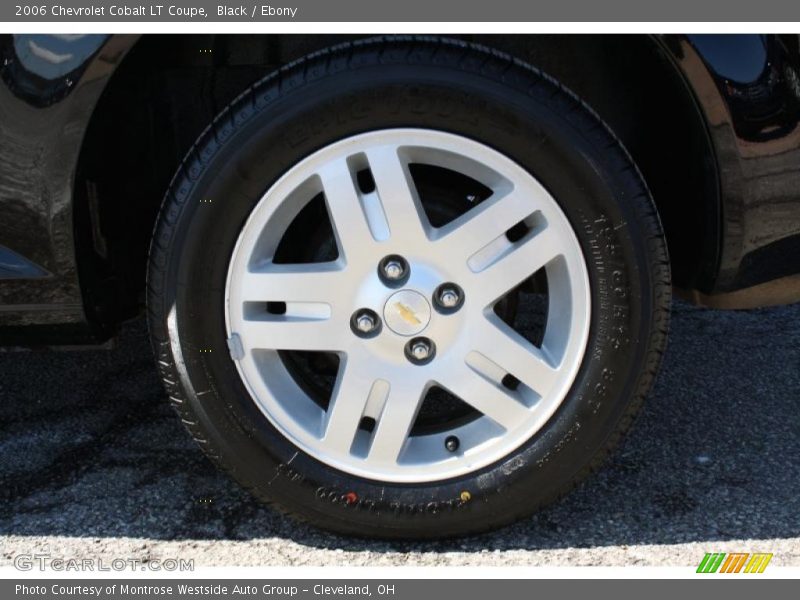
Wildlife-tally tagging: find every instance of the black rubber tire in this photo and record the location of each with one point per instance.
(408, 82)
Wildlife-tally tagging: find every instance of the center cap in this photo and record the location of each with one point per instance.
(407, 312)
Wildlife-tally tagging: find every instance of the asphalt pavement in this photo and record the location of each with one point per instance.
(93, 462)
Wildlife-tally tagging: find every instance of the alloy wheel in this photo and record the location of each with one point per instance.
(406, 307)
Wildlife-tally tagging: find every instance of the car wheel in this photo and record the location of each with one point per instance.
(408, 288)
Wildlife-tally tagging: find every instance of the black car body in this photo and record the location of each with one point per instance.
(93, 127)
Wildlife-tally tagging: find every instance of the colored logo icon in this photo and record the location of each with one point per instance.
(735, 562)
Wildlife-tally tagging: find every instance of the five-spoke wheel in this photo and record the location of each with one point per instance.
(406, 306)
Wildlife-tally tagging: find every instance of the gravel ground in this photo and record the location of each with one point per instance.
(95, 463)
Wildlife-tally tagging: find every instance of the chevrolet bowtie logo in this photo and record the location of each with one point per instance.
(408, 315)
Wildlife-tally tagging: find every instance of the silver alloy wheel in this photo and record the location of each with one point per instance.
(474, 348)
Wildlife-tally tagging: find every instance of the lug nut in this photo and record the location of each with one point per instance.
(448, 297)
(365, 323)
(393, 270)
(420, 351)
(452, 443)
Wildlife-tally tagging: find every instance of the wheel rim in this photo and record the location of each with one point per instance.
(511, 385)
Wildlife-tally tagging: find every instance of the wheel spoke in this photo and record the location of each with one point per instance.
(293, 283)
(395, 422)
(344, 207)
(514, 354)
(292, 333)
(398, 196)
(488, 397)
(481, 225)
(520, 262)
(348, 401)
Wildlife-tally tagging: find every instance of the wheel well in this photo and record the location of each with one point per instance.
(170, 87)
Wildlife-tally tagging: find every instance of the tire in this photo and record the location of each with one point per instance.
(425, 89)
